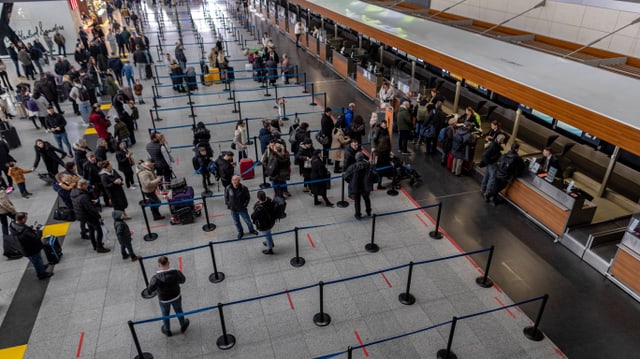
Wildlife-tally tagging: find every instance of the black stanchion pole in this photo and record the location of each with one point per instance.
(231, 95)
(208, 227)
(304, 76)
(246, 124)
(284, 109)
(275, 88)
(313, 95)
(239, 111)
(255, 146)
(436, 234)
(349, 352)
(533, 333)
(216, 276)
(150, 236)
(321, 319)
(324, 101)
(235, 107)
(407, 298)
(372, 247)
(145, 293)
(157, 116)
(264, 183)
(297, 261)
(189, 102)
(225, 341)
(447, 353)
(484, 281)
(266, 89)
(342, 203)
(136, 342)
(153, 122)
(297, 76)
(156, 81)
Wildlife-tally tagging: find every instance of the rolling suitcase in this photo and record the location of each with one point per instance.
(245, 164)
(11, 247)
(215, 75)
(230, 74)
(204, 70)
(450, 161)
(10, 135)
(21, 111)
(192, 82)
(52, 249)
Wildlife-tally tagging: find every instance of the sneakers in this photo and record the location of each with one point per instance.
(46, 275)
(267, 251)
(165, 331)
(329, 204)
(185, 326)
(24, 195)
(28, 193)
(254, 232)
(103, 250)
(369, 213)
(240, 235)
(357, 216)
(132, 187)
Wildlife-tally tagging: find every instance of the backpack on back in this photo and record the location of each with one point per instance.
(83, 94)
(423, 112)
(213, 169)
(442, 135)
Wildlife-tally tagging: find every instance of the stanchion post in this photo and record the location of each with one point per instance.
(447, 353)
(264, 183)
(324, 101)
(266, 89)
(246, 125)
(145, 293)
(255, 146)
(349, 352)
(153, 121)
(239, 111)
(342, 203)
(484, 281)
(313, 95)
(533, 333)
(304, 76)
(235, 104)
(231, 93)
(208, 227)
(150, 236)
(284, 108)
(297, 261)
(297, 77)
(225, 341)
(407, 298)
(436, 234)
(321, 319)
(136, 342)
(216, 276)
(372, 247)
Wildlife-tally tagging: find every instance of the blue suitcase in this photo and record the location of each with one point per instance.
(52, 249)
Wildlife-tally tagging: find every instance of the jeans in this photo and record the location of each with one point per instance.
(95, 233)
(268, 238)
(15, 62)
(85, 110)
(38, 264)
(126, 247)
(37, 62)
(22, 187)
(419, 129)
(245, 216)
(279, 187)
(165, 308)
(489, 177)
(60, 137)
(130, 80)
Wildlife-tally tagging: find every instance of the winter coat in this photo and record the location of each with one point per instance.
(461, 146)
(116, 191)
(326, 125)
(83, 206)
(49, 156)
(167, 284)
(359, 177)
(148, 179)
(338, 140)
(237, 199)
(80, 157)
(263, 215)
(17, 175)
(5, 156)
(492, 153)
(29, 238)
(43, 87)
(100, 124)
(283, 170)
(318, 171)
(121, 131)
(123, 233)
(5, 204)
(124, 164)
(350, 157)
(404, 119)
(91, 172)
(301, 157)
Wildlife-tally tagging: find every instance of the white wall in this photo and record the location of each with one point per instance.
(567, 21)
(30, 19)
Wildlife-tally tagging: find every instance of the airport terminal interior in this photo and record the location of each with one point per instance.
(548, 268)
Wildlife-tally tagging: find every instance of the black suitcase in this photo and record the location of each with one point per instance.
(204, 70)
(148, 71)
(11, 136)
(11, 247)
(192, 82)
(178, 183)
(52, 249)
(230, 74)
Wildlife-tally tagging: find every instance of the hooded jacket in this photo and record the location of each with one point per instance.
(167, 283)
(83, 206)
(123, 233)
(29, 238)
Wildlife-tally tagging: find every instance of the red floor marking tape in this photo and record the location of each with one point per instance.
(559, 352)
(177, 161)
(422, 220)
(386, 279)
(313, 245)
(156, 226)
(502, 304)
(80, 345)
(364, 349)
(180, 261)
(290, 301)
(216, 215)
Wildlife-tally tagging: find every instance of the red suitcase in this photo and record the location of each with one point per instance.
(450, 161)
(245, 164)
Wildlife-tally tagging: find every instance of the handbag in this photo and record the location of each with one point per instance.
(307, 163)
(63, 213)
(233, 145)
(322, 138)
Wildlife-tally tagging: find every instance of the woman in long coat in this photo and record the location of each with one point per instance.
(338, 141)
(47, 152)
(319, 171)
(113, 183)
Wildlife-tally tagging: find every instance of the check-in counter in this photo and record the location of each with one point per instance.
(325, 52)
(548, 204)
(626, 264)
(313, 45)
(340, 64)
(368, 82)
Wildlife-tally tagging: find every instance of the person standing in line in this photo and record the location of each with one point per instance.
(404, 127)
(319, 172)
(381, 148)
(240, 139)
(112, 182)
(27, 65)
(490, 157)
(160, 156)
(88, 215)
(149, 184)
(167, 282)
(180, 56)
(225, 167)
(237, 197)
(30, 242)
(123, 234)
(6, 210)
(59, 39)
(460, 147)
(263, 217)
(326, 128)
(56, 124)
(4, 76)
(360, 184)
(80, 95)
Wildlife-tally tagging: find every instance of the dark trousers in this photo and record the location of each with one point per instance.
(95, 233)
(5, 224)
(367, 202)
(62, 50)
(5, 80)
(128, 176)
(15, 62)
(153, 198)
(404, 140)
(325, 153)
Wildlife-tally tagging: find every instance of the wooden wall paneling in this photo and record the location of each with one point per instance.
(540, 208)
(626, 268)
(340, 64)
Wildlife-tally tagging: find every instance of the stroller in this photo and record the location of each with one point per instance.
(183, 212)
(403, 171)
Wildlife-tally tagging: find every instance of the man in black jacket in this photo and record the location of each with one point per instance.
(30, 242)
(360, 183)
(509, 166)
(47, 87)
(236, 197)
(140, 61)
(5, 158)
(88, 214)
(263, 217)
(14, 57)
(56, 124)
(225, 167)
(326, 128)
(167, 282)
(490, 157)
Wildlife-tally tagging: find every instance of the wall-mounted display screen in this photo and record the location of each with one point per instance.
(544, 117)
(570, 129)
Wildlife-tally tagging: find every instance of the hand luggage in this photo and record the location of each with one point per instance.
(178, 183)
(215, 75)
(11, 136)
(11, 247)
(21, 111)
(192, 82)
(63, 213)
(450, 161)
(52, 249)
(230, 74)
(148, 71)
(204, 70)
(245, 164)
(248, 67)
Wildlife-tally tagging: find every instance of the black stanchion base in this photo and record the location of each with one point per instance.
(406, 298)
(371, 247)
(392, 192)
(313, 104)
(193, 116)
(533, 333)
(158, 119)
(321, 319)
(484, 283)
(148, 295)
(216, 277)
(229, 98)
(285, 119)
(342, 204)
(265, 185)
(209, 227)
(267, 95)
(144, 355)
(226, 342)
(297, 261)
(435, 234)
(234, 111)
(443, 354)
(150, 237)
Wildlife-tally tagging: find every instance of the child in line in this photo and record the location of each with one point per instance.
(137, 90)
(17, 175)
(123, 234)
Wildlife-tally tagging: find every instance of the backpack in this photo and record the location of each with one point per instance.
(271, 167)
(213, 169)
(429, 131)
(83, 94)
(279, 208)
(423, 112)
(442, 135)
